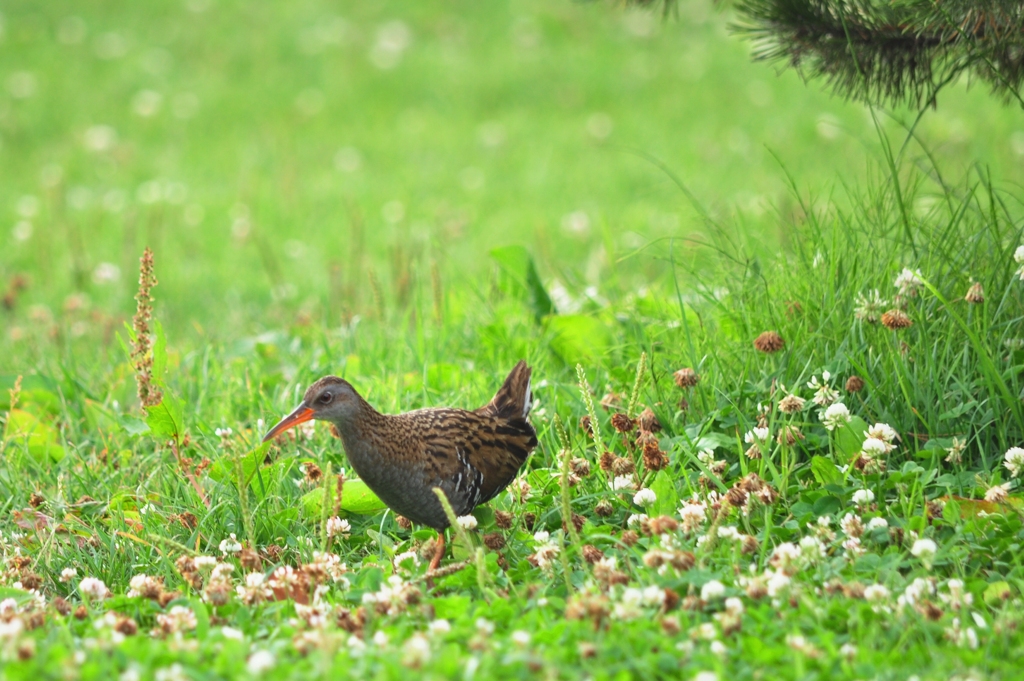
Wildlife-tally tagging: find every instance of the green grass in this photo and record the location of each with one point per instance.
(718, 207)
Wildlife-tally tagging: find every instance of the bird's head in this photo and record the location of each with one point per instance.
(329, 399)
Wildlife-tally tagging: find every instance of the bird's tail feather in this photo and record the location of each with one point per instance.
(514, 398)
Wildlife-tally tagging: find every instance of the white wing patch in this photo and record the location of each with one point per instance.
(528, 398)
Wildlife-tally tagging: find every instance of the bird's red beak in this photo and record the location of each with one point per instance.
(301, 414)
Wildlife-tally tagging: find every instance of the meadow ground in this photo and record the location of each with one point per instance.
(415, 198)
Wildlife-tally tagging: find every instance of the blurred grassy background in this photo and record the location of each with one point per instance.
(293, 157)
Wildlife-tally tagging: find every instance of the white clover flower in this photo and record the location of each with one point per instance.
(997, 493)
(706, 631)
(706, 676)
(863, 497)
(484, 627)
(692, 516)
(875, 592)
(873, 447)
(883, 432)
(623, 482)
(824, 393)
(407, 559)
(718, 648)
(925, 549)
(380, 639)
(93, 588)
(878, 524)
(232, 633)
(870, 307)
(338, 527)
(1014, 461)
(653, 596)
(260, 661)
(467, 522)
(416, 651)
(439, 627)
(520, 638)
(645, 497)
(712, 591)
(811, 548)
(777, 583)
(542, 536)
(734, 606)
(706, 456)
(835, 415)
(1018, 255)
(757, 436)
(908, 282)
(67, 574)
(230, 545)
(785, 555)
(222, 432)
(636, 520)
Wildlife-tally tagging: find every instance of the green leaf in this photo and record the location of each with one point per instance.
(39, 438)
(159, 352)
(665, 489)
(850, 438)
(577, 338)
(517, 263)
(202, 618)
(164, 419)
(827, 505)
(223, 469)
(356, 497)
(997, 593)
(825, 471)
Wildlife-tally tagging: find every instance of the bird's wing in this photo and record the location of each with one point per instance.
(473, 456)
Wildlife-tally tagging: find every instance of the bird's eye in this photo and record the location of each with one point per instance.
(326, 398)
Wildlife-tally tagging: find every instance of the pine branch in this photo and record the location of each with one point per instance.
(895, 52)
(887, 51)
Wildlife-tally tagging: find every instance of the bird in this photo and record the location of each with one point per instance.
(470, 455)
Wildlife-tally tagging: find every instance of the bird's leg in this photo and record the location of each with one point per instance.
(438, 552)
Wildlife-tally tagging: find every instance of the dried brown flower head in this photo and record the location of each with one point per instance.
(629, 537)
(503, 519)
(662, 524)
(622, 423)
(649, 421)
(606, 461)
(529, 520)
(126, 626)
(494, 541)
(686, 378)
(592, 554)
(35, 500)
(580, 467)
(405, 523)
(611, 400)
(623, 466)
(250, 560)
(789, 436)
(585, 426)
(896, 319)
(654, 458)
(313, 473)
(604, 508)
(854, 384)
(61, 605)
(769, 342)
(975, 294)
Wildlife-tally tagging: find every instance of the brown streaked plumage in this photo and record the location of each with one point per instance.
(471, 455)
